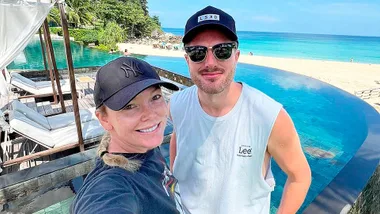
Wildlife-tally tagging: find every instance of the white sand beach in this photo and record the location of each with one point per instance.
(349, 76)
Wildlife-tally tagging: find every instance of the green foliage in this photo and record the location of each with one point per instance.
(79, 13)
(111, 35)
(54, 17)
(107, 22)
(156, 20)
(85, 35)
(103, 47)
(130, 15)
(144, 6)
(56, 30)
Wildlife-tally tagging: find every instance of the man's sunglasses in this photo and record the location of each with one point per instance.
(221, 51)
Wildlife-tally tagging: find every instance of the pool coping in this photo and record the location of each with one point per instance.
(46, 168)
(342, 192)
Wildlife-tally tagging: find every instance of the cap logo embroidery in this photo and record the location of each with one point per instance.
(132, 68)
(208, 17)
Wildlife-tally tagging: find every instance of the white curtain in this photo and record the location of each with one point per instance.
(19, 21)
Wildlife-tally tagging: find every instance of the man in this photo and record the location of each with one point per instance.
(226, 132)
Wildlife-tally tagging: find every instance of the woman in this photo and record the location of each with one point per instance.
(130, 175)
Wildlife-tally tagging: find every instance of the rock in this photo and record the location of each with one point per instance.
(319, 153)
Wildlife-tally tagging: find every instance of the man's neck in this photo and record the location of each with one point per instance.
(218, 105)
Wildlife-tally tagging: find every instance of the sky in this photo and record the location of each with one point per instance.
(360, 17)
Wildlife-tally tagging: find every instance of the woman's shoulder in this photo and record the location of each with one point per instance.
(107, 188)
(107, 176)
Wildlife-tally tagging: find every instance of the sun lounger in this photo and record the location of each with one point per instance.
(53, 131)
(37, 88)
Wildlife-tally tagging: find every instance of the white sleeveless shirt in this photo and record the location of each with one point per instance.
(219, 159)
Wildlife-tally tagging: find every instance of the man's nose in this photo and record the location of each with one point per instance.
(210, 60)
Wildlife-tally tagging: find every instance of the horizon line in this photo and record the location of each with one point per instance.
(322, 34)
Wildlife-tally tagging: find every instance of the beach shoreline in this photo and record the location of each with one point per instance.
(348, 76)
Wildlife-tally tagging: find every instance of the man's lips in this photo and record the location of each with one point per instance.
(211, 74)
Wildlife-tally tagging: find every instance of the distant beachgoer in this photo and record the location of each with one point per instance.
(126, 53)
(351, 60)
(226, 132)
(250, 53)
(130, 174)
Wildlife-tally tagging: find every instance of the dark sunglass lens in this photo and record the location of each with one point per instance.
(197, 54)
(223, 52)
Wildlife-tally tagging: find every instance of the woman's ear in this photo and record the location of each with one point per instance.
(103, 119)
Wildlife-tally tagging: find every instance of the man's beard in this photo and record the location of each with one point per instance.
(214, 86)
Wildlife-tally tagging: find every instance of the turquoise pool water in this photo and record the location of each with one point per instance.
(327, 119)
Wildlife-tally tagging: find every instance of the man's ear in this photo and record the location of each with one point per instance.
(187, 59)
(103, 119)
(237, 54)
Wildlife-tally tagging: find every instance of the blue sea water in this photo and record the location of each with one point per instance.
(307, 46)
(315, 107)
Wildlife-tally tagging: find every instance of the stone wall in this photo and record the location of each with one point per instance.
(369, 200)
(44, 75)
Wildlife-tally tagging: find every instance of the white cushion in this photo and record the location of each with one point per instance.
(30, 114)
(62, 120)
(39, 87)
(53, 122)
(56, 137)
(19, 78)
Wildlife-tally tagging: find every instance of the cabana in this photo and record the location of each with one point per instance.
(19, 22)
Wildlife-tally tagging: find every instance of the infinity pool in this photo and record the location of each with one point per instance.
(330, 122)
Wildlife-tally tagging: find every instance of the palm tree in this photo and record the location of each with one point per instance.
(54, 17)
(144, 6)
(78, 12)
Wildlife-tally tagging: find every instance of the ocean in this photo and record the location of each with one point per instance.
(307, 46)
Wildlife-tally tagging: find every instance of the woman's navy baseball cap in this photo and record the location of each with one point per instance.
(210, 17)
(122, 79)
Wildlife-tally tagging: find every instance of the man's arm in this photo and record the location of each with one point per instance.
(172, 146)
(284, 145)
(172, 150)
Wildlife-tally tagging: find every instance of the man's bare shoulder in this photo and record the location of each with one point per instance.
(283, 130)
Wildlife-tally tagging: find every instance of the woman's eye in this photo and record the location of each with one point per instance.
(128, 107)
(157, 97)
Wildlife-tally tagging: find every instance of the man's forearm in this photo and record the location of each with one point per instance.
(293, 196)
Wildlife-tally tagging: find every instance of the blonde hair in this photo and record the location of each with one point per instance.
(102, 110)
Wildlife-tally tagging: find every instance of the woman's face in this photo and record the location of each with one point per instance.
(140, 125)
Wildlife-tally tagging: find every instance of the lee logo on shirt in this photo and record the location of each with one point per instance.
(245, 151)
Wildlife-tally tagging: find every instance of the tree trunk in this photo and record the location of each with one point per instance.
(132, 31)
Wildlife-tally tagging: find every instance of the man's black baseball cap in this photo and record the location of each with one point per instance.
(122, 79)
(209, 17)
